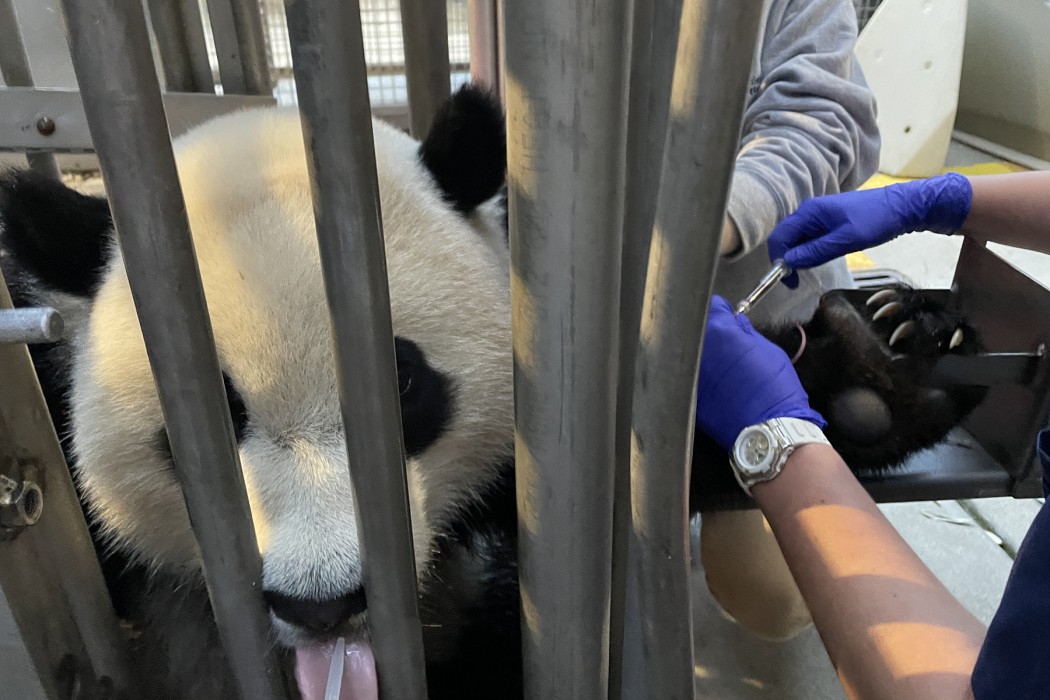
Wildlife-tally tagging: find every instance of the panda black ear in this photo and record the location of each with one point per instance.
(54, 232)
(466, 149)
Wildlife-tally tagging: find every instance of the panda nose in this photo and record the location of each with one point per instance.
(316, 615)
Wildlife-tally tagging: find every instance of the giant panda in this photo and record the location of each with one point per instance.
(247, 195)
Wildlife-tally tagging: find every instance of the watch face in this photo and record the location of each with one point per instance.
(755, 447)
(754, 450)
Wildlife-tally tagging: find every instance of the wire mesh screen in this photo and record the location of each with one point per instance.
(384, 49)
(865, 9)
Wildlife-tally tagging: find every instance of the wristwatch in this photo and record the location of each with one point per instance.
(761, 451)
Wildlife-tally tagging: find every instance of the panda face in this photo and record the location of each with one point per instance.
(247, 194)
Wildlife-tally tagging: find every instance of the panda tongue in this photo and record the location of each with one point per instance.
(322, 675)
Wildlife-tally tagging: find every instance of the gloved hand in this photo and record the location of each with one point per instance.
(825, 228)
(744, 379)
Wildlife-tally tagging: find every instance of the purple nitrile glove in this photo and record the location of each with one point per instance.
(744, 379)
(825, 228)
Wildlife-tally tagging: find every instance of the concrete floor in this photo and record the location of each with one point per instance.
(973, 560)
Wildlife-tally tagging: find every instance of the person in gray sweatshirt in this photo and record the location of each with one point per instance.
(808, 130)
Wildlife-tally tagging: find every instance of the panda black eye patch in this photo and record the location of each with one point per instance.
(426, 398)
(238, 412)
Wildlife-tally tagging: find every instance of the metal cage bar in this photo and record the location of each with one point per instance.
(329, 62)
(14, 66)
(653, 42)
(49, 576)
(566, 160)
(483, 29)
(716, 41)
(240, 46)
(179, 30)
(111, 55)
(424, 28)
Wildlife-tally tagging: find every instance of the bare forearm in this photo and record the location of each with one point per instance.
(1011, 209)
(890, 627)
(730, 239)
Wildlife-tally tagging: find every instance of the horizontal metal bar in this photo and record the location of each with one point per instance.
(956, 468)
(985, 369)
(566, 91)
(49, 574)
(329, 59)
(384, 69)
(424, 27)
(122, 101)
(30, 325)
(23, 109)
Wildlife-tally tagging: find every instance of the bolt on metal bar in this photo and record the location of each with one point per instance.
(50, 578)
(240, 45)
(424, 28)
(329, 64)
(653, 42)
(14, 67)
(566, 92)
(179, 30)
(122, 101)
(30, 325)
(715, 45)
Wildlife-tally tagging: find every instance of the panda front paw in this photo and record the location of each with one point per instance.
(867, 371)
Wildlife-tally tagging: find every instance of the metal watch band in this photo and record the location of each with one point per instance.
(795, 431)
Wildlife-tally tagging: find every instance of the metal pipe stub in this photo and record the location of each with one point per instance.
(31, 325)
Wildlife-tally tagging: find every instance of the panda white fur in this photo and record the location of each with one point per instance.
(247, 196)
(246, 190)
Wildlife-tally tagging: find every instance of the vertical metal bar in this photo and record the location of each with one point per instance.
(715, 46)
(49, 575)
(180, 40)
(501, 51)
(251, 44)
(240, 45)
(653, 42)
(329, 63)
(484, 44)
(111, 54)
(424, 28)
(197, 44)
(14, 67)
(566, 102)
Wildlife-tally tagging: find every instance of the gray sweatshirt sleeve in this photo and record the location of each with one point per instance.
(810, 129)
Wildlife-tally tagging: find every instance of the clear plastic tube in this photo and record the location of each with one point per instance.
(335, 671)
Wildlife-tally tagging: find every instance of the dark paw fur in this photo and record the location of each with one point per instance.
(867, 369)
